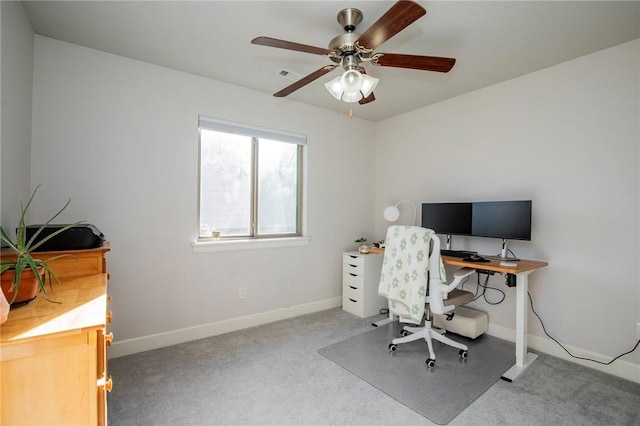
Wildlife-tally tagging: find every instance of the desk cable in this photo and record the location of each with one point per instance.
(566, 350)
(485, 286)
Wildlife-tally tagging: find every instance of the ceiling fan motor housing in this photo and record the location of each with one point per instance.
(344, 45)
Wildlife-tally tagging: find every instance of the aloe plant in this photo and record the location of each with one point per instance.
(24, 248)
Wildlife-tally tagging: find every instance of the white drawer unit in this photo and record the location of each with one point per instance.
(360, 279)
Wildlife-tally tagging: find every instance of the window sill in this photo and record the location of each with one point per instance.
(231, 245)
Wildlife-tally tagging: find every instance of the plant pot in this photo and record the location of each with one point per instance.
(363, 249)
(28, 286)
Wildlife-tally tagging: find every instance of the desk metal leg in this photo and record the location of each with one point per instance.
(523, 358)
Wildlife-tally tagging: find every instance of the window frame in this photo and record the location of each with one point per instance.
(255, 133)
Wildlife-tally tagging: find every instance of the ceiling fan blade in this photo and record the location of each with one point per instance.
(398, 17)
(416, 62)
(283, 44)
(368, 99)
(304, 81)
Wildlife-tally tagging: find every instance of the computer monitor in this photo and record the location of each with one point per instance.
(508, 220)
(447, 218)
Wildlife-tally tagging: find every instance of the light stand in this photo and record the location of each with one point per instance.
(391, 213)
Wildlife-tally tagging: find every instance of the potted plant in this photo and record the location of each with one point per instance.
(364, 247)
(16, 272)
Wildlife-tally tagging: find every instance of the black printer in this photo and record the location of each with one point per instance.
(79, 237)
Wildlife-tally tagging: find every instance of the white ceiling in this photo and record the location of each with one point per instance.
(492, 41)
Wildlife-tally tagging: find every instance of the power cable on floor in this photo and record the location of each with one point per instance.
(566, 350)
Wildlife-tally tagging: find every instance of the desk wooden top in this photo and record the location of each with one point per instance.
(522, 265)
(84, 305)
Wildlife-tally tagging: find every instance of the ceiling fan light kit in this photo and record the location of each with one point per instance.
(352, 49)
(352, 86)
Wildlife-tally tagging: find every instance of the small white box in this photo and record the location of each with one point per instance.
(466, 322)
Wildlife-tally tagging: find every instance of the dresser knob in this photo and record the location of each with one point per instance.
(107, 383)
(109, 316)
(108, 338)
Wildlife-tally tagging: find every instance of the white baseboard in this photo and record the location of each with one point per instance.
(619, 368)
(155, 341)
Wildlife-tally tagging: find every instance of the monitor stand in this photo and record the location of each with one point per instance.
(448, 246)
(504, 253)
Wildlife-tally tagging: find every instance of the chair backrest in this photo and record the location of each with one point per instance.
(404, 277)
(413, 273)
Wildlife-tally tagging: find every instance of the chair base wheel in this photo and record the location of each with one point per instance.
(392, 347)
(430, 362)
(405, 333)
(463, 354)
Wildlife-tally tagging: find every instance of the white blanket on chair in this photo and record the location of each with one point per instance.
(404, 275)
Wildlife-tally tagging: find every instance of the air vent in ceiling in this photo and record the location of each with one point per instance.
(289, 75)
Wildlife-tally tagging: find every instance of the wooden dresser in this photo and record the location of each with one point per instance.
(54, 355)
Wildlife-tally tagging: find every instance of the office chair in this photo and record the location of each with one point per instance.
(413, 279)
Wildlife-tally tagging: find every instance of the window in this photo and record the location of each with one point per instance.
(250, 181)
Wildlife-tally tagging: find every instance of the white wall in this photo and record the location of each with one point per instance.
(120, 138)
(15, 134)
(566, 137)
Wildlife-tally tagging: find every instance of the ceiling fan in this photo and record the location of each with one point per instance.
(352, 50)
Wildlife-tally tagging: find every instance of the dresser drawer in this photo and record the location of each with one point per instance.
(352, 306)
(349, 279)
(352, 269)
(352, 261)
(351, 292)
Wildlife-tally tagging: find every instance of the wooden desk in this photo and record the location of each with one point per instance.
(521, 271)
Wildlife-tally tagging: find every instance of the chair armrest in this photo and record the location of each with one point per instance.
(458, 276)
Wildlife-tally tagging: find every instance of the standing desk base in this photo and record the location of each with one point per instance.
(385, 321)
(516, 370)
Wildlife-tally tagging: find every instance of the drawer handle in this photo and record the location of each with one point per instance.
(353, 288)
(108, 338)
(109, 316)
(353, 257)
(354, 301)
(353, 266)
(353, 275)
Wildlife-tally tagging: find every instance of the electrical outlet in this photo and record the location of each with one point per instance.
(242, 292)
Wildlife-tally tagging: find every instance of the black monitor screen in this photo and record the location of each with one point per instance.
(447, 218)
(502, 219)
